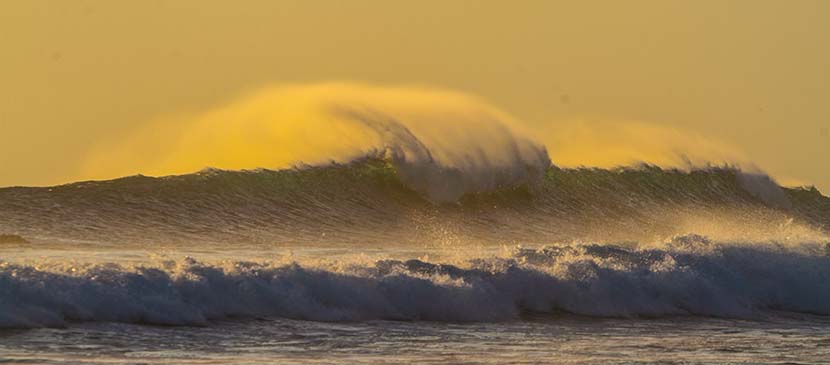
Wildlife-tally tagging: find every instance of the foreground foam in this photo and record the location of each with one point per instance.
(688, 275)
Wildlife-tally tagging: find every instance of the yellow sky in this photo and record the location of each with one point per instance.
(755, 75)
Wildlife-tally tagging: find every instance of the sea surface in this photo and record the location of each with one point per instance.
(555, 339)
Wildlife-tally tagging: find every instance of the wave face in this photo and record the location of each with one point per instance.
(368, 202)
(688, 275)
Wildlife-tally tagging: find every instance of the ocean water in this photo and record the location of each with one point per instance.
(558, 339)
(87, 310)
(351, 264)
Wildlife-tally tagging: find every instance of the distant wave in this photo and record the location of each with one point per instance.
(443, 143)
(367, 201)
(687, 275)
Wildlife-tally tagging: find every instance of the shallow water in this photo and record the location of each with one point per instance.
(530, 341)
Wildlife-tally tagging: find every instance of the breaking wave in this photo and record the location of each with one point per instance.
(443, 143)
(687, 275)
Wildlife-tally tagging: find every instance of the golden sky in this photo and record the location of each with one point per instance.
(751, 75)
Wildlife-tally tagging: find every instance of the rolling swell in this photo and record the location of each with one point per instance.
(688, 275)
(365, 201)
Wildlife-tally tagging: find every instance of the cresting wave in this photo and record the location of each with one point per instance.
(688, 275)
(443, 143)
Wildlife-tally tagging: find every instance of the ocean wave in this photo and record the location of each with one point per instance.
(688, 275)
(443, 143)
(367, 201)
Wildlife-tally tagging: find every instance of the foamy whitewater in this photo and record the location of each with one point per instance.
(424, 245)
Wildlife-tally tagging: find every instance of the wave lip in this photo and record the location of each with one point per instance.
(690, 275)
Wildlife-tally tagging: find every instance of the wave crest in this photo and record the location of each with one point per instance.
(445, 143)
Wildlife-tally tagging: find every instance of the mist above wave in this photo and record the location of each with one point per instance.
(444, 143)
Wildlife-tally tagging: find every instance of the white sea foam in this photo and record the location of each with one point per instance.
(688, 275)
